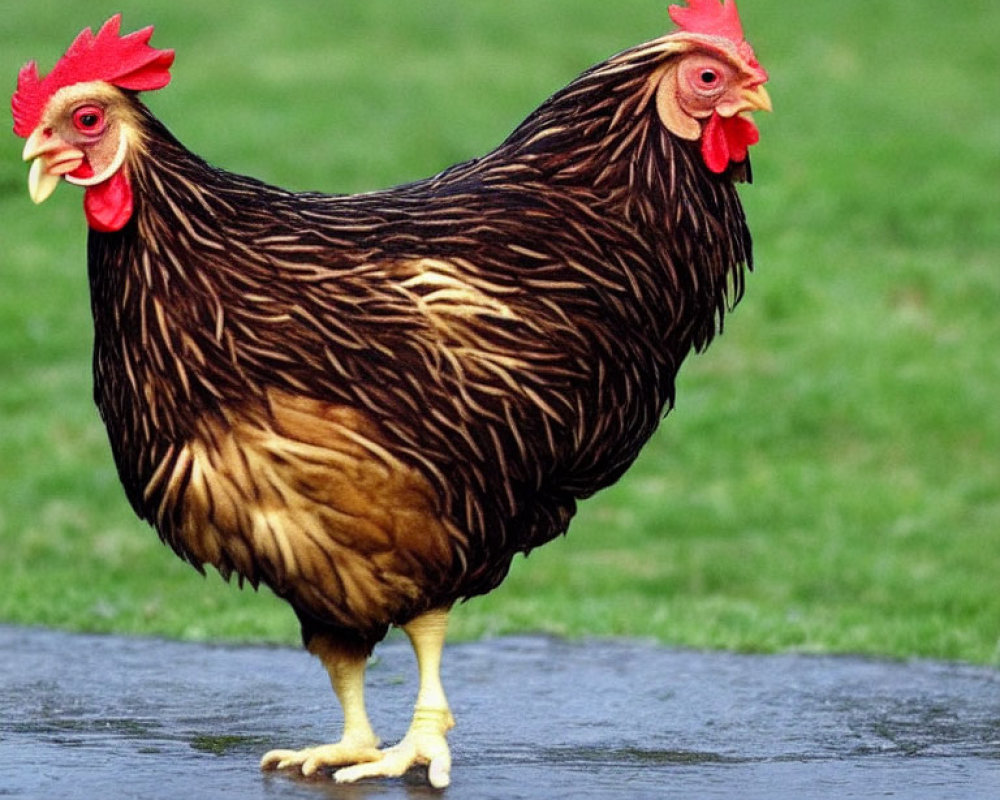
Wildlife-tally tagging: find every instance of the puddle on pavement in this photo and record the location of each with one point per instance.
(93, 716)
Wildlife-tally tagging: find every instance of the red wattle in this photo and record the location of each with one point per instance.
(726, 139)
(83, 171)
(108, 205)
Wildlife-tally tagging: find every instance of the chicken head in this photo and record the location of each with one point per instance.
(706, 91)
(78, 123)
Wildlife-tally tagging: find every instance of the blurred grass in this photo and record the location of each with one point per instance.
(830, 480)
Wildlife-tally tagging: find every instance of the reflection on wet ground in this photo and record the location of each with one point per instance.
(110, 717)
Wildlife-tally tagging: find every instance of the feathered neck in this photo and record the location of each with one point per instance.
(602, 137)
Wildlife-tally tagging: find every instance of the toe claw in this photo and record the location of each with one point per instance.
(439, 771)
(309, 767)
(275, 759)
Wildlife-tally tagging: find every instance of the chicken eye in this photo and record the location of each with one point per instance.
(89, 119)
(705, 79)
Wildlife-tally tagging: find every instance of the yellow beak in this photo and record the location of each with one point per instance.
(757, 99)
(51, 159)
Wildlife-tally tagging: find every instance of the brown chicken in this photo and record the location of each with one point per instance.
(372, 403)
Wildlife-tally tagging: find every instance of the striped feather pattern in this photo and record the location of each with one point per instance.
(502, 337)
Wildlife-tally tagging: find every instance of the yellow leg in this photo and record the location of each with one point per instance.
(424, 742)
(359, 743)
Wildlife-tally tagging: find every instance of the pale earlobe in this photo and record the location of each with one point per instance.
(668, 107)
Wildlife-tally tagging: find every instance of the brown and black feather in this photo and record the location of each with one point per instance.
(430, 376)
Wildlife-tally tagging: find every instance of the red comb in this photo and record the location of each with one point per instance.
(709, 17)
(715, 18)
(124, 61)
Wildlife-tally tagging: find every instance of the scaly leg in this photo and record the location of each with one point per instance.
(359, 743)
(424, 742)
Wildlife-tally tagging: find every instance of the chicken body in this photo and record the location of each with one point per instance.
(431, 375)
(372, 403)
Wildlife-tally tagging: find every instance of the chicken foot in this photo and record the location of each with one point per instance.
(425, 741)
(358, 742)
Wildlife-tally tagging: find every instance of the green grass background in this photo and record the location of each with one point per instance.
(830, 479)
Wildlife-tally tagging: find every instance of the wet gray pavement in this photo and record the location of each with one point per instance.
(110, 717)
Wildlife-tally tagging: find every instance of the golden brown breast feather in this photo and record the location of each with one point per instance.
(300, 494)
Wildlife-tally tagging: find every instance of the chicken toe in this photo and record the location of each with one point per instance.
(312, 759)
(424, 743)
